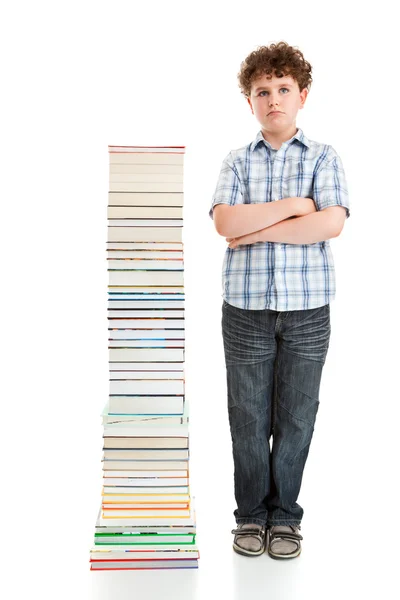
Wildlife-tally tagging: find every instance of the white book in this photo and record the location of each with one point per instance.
(145, 158)
(145, 234)
(121, 308)
(147, 453)
(180, 528)
(146, 343)
(145, 199)
(146, 354)
(139, 482)
(146, 492)
(190, 520)
(144, 443)
(145, 277)
(145, 254)
(163, 551)
(161, 475)
(146, 386)
(148, 246)
(155, 323)
(145, 314)
(143, 334)
(117, 437)
(146, 513)
(171, 369)
(133, 506)
(146, 301)
(133, 565)
(143, 168)
(147, 374)
(149, 420)
(149, 149)
(124, 305)
(146, 468)
(157, 290)
(145, 222)
(146, 428)
(147, 406)
(174, 187)
(146, 177)
(145, 212)
(137, 263)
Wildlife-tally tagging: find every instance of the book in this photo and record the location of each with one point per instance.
(163, 199)
(140, 540)
(142, 506)
(143, 565)
(144, 234)
(146, 334)
(146, 405)
(137, 442)
(158, 520)
(146, 454)
(145, 212)
(138, 277)
(155, 168)
(124, 304)
(146, 492)
(146, 343)
(149, 313)
(145, 354)
(163, 551)
(145, 468)
(130, 264)
(146, 387)
(157, 290)
(154, 150)
(133, 186)
(155, 482)
(145, 223)
(180, 528)
(133, 372)
(151, 178)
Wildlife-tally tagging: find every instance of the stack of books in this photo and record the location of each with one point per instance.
(147, 516)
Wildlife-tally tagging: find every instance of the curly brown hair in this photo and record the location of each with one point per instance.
(280, 59)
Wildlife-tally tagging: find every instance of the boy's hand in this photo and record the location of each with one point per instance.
(250, 238)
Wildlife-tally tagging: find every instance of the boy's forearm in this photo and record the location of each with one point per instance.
(315, 227)
(241, 219)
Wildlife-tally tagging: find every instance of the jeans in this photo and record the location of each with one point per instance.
(274, 362)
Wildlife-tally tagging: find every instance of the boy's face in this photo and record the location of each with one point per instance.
(280, 94)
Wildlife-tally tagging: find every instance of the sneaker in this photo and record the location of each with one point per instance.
(249, 539)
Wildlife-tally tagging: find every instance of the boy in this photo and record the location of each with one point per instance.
(278, 201)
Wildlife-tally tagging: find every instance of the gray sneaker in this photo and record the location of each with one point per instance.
(249, 539)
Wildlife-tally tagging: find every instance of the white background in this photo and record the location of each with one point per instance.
(79, 76)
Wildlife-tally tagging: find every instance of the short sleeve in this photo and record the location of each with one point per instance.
(228, 189)
(330, 186)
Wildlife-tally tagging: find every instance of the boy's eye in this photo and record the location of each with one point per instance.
(265, 91)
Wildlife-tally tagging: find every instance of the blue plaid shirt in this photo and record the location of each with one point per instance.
(274, 275)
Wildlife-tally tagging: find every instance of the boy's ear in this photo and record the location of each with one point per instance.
(303, 96)
(249, 101)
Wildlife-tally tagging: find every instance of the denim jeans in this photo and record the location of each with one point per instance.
(274, 362)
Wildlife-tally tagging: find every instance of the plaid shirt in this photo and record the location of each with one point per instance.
(272, 275)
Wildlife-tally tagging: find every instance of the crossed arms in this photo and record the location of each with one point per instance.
(290, 221)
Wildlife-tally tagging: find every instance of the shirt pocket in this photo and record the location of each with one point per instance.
(297, 180)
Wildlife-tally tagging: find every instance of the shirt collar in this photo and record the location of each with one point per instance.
(299, 135)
